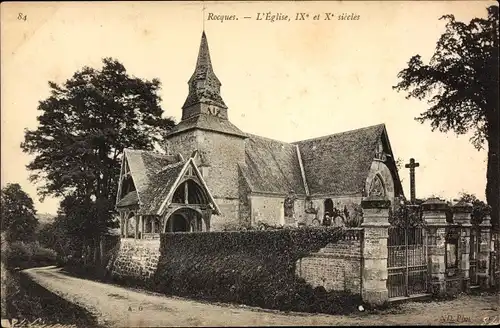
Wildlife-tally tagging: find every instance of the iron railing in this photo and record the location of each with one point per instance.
(407, 262)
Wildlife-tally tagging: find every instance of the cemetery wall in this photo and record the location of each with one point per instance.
(136, 259)
(335, 267)
(256, 268)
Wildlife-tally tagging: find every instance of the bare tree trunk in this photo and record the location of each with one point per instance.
(493, 177)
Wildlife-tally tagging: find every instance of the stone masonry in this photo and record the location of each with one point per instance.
(434, 215)
(375, 273)
(484, 253)
(137, 259)
(462, 216)
(335, 267)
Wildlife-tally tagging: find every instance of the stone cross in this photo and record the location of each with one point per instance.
(412, 165)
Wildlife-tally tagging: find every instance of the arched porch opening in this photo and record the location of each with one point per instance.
(178, 223)
(185, 219)
(190, 192)
(130, 219)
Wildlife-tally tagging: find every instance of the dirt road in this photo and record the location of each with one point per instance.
(115, 306)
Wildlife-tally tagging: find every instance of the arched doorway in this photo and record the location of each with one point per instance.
(178, 223)
(185, 219)
(328, 206)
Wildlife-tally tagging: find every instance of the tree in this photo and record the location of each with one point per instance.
(479, 208)
(18, 214)
(83, 128)
(461, 86)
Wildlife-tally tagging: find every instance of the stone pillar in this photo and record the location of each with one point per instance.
(462, 215)
(434, 215)
(483, 257)
(153, 219)
(375, 273)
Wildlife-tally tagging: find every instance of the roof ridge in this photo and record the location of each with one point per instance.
(340, 133)
(171, 165)
(250, 135)
(149, 152)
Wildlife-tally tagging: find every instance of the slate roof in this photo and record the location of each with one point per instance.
(154, 176)
(207, 122)
(149, 171)
(204, 86)
(130, 199)
(272, 166)
(160, 186)
(338, 164)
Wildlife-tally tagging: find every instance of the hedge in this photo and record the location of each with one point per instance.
(256, 268)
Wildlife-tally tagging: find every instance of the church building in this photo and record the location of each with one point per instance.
(213, 176)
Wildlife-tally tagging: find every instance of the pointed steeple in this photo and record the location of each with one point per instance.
(204, 87)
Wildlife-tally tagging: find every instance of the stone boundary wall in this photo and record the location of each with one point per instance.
(335, 267)
(137, 259)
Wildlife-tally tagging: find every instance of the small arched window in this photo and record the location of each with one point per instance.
(377, 187)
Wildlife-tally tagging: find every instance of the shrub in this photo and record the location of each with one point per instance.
(254, 267)
(23, 255)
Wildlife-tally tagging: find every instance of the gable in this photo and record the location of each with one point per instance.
(338, 164)
(391, 164)
(272, 166)
(155, 177)
(189, 171)
(140, 168)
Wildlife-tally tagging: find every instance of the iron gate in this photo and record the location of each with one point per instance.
(407, 262)
(475, 241)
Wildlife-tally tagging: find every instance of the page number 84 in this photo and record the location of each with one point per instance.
(22, 17)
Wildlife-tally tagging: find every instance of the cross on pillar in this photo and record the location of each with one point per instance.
(412, 165)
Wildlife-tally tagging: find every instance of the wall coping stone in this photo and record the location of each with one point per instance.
(375, 203)
(332, 256)
(375, 224)
(435, 204)
(462, 207)
(486, 223)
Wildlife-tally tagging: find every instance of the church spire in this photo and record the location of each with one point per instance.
(204, 87)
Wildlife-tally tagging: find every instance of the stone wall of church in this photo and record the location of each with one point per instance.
(267, 209)
(299, 210)
(183, 143)
(221, 153)
(244, 206)
(338, 202)
(137, 259)
(218, 156)
(335, 267)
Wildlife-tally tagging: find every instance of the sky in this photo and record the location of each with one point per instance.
(286, 80)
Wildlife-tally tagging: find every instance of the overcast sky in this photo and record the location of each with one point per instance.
(286, 80)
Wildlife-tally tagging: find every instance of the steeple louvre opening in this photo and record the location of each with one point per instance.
(204, 88)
